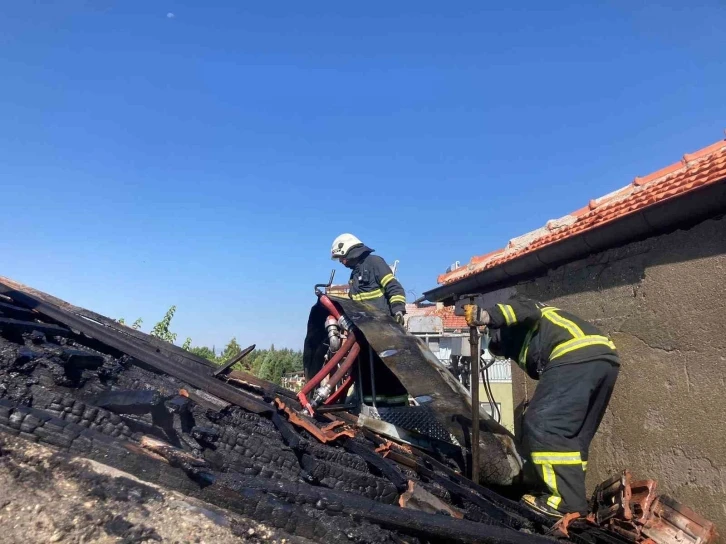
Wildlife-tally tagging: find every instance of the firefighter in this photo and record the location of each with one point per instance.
(371, 279)
(576, 366)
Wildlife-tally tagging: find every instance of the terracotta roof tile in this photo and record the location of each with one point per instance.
(695, 170)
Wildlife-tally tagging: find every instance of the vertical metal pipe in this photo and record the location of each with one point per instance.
(360, 380)
(373, 374)
(474, 384)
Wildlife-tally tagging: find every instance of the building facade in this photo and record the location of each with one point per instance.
(447, 336)
(647, 265)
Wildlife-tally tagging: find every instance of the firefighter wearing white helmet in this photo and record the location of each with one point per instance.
(371, 279)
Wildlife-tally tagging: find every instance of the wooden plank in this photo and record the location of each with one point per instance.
(169, 350)
(195, 375)
(11, 310)
(30, 326)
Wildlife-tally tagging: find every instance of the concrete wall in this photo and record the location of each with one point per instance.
(663, 301)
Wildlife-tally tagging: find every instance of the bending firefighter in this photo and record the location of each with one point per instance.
(371, 279)
(576, 366)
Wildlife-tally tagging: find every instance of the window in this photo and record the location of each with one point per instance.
(434, 343)
(488, 408)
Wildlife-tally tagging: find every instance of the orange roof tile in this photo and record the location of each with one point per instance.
(695, 170)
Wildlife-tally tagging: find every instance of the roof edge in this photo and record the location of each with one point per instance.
(693, 204)
(639, 184)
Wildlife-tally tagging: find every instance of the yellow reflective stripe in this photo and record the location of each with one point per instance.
(508, 312)
(560, 321)
(584, 466)
(557, 458)
(385, 280)
(550, 479)
(398, 298)
(579, 343)
(554, 501)
(548, 460)
(368, 295)
(525, 347)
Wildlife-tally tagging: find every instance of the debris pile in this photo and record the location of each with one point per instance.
(91, 387)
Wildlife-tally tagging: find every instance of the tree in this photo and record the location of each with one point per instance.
(203, 351)
(136, 325)
(187, 344)
(161, 329)
(230, 350)
(272, 365)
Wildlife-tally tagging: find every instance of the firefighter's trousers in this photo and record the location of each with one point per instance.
(559, 424)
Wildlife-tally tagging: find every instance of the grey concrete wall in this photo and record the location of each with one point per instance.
(663, 301)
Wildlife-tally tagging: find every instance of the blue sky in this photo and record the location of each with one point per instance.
(205, 154)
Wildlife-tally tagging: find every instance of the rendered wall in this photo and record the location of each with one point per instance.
(663, 301)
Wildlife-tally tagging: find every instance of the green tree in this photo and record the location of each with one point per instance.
(161, 329)
(204, 351)
(187, 344)
(135, 325)
(272, 365)
(230, 350)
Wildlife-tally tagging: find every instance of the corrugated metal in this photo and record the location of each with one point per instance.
(443, 347)
(500, 372)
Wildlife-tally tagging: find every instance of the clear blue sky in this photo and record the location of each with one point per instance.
(206, 153)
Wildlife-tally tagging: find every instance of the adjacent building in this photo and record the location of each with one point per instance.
(647, 264)
(447, 336)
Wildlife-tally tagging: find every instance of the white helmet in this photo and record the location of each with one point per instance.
(343, 244)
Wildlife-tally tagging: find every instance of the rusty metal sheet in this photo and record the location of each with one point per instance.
(422, 374)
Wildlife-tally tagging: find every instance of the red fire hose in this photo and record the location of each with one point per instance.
(341, 391)
(330, 365)
(350, 347)
(345, 367)
(325, 301)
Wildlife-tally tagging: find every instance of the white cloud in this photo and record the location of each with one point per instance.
(170, 15)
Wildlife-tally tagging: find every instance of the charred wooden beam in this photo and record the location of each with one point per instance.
(437, 528)
(496, 507)
(387, 469)
(29, 297)
(7, 323)
(224, 369)
(10, 310)
(81, 359)
(289, 435)
(192, 374)
(494, 498)
(129, 402)
(204, 399)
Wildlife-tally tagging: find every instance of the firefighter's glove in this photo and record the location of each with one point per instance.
(475, 316)
(399, 318)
